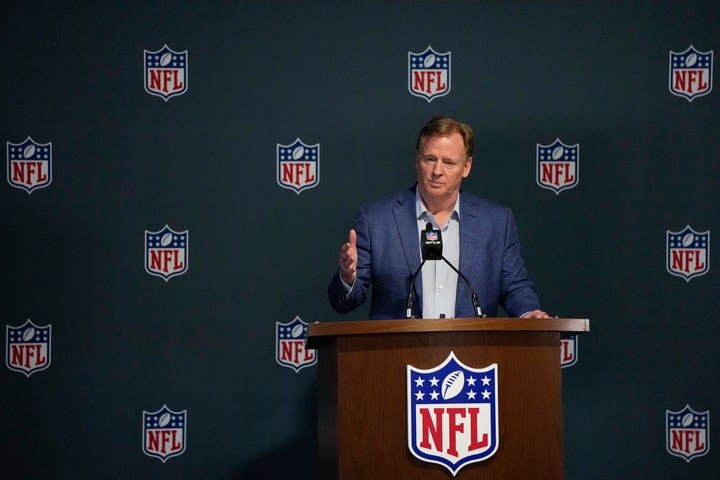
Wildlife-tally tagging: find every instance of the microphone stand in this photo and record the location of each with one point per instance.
(411, 295)
(476, 302)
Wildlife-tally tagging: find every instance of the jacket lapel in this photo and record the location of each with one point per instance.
(406, 223)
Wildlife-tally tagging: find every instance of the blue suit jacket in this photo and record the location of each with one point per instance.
(389, 253)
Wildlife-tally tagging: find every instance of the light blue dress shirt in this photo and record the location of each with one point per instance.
(439, 280)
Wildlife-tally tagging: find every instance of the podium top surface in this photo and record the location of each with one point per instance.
(319, 331)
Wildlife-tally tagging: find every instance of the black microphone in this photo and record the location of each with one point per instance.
(431, 248)
(431, 242)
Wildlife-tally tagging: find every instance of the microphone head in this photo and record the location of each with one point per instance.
(431, 242)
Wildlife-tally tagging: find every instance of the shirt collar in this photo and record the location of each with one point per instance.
(421, 211)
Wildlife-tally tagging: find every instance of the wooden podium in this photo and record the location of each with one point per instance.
(362, 393)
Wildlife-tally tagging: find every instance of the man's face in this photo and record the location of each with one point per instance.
(441, 165)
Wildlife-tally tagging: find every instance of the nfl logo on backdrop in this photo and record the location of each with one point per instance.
(452, 413)
(29, 164)
(290, 345)
(688, 253)
(164, 433)
(429, 74)
(166, 252)
(687, 433)
(27, 348)
(298, 166)
(166, 72)
(558, 166)
(691, 73)
(568, 351)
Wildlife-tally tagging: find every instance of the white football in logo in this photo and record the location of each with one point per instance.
(688, 239)
(29, 334)
(29, 151)
(429, 61)
(297, 331)
(165, 59)
(166, 239)
(687, 419)
(558, 152)
(298, 152)
(690, 60)
(453, 384)
(164, 420)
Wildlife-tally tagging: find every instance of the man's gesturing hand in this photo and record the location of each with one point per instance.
(348, 259)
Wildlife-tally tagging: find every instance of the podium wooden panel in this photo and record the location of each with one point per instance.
(362, 410)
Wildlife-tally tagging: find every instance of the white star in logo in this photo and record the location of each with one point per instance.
(485, 395)
(419, 396)
(486, 380)
(419, 382)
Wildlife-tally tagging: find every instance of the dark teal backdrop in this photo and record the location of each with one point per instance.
(335, 74)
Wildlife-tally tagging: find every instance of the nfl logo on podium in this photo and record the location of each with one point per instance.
(29, 164)
(166, 72)
(691, 73)
(687, 433)
(164, 433)
(429, 74)
(452, 413)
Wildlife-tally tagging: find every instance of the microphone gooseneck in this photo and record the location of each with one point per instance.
(411, 294)
(476, 302)
(431, 248)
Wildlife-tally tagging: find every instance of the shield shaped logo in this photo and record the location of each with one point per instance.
(164, 433)
(452, 413)
(298, 166)
(27, 347)
(29, 164)
(290, 345)
(687, 253)
(429, 74)
(691, 73)
(166, 252)
(558, 166)
(568, 351)
(166, 72)
(687, 433)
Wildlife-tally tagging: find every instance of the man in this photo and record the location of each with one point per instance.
(479, 238)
